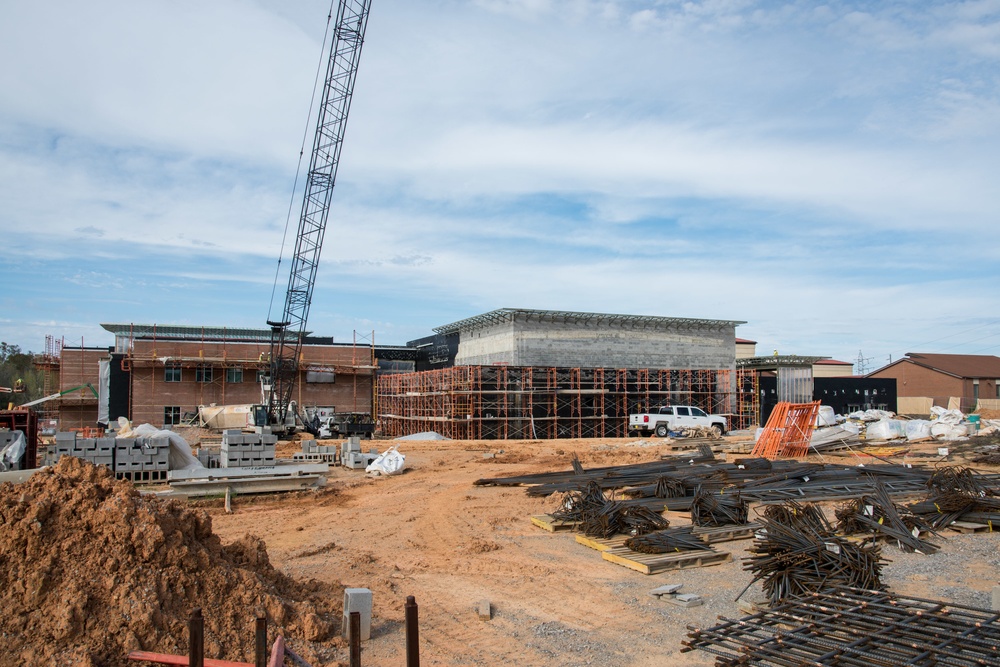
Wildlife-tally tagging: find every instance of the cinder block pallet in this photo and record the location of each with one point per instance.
(551, 524)
(655, 563)
(143, 476)
(315, 456)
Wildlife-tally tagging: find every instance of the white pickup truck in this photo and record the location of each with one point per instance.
(668, 418)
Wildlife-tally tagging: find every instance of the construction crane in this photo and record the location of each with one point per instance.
(288, 332)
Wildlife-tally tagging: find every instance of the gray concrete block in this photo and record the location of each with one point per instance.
(996, 598)
(359, 600)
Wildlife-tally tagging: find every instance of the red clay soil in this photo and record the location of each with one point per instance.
(90, 570)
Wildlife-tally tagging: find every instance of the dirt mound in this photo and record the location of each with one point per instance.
(90, 569)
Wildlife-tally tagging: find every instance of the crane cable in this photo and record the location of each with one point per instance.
(302, 150)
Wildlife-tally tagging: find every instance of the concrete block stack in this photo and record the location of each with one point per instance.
(99, 451)
(247, 450)
(209, 458)
(141, 459)
(351, 455)
(318, 453)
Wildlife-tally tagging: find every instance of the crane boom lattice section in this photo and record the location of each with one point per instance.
(342, 69)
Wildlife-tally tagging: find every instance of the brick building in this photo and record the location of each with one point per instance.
(165, 372)
(955, 380)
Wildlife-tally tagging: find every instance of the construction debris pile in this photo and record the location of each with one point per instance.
(90, 569)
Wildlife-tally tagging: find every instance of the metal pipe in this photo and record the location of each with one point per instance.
(355, 638)
(260, 641)
(196, 639)
(412, 632)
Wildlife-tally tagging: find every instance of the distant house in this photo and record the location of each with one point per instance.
(745, 348)
(947, 380)
(831, 368)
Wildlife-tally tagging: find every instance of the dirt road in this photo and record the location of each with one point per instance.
(432, 534)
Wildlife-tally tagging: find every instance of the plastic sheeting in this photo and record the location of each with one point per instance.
(13, 451)
(917, 429)
(871, 415)
(826, 416)
(885, 429)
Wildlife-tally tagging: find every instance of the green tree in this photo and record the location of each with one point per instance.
(14, 365)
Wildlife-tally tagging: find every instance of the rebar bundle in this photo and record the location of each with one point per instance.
(667, 541)
(961, 479)
(804, 518)
(798, 559)
(877, 513)
(599, 516)
(714, 509)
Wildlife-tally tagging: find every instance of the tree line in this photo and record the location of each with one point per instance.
(16, 365)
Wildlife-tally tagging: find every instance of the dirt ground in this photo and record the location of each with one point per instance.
(432, 534)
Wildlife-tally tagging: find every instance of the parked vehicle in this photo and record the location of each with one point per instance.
(667, 418)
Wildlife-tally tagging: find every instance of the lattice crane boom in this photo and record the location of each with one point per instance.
(287, 334)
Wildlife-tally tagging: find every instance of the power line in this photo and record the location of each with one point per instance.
(916, 346)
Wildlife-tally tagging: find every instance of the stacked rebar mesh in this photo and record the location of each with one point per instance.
(796, 552)
(854, 628)
(599, 516)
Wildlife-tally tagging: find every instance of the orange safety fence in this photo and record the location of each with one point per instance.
(788, 431)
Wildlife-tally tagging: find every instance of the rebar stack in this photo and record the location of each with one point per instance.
(851, 627)
(602, 517)
(672, 540)
(876, 513)
(802, 558)
(713, 509)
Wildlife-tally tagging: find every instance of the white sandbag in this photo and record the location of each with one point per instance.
(826, 416)
(389, 462)
(947, 416)
(917, 429)
(885, 429)
(871, 415)
(945, 431)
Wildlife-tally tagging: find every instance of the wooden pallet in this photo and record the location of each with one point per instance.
(727, 533)
(655, 563)
(602, 543)
(551, 524)
(969, 527)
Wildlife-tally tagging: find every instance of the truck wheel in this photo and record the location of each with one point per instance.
(717, 431)
(662, 430)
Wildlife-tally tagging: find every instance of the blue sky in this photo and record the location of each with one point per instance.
(825, 172)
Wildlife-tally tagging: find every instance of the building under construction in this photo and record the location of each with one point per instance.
(518, 373)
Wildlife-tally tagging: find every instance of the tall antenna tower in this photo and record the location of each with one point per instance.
(862, 363)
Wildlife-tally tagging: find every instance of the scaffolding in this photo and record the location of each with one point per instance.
(513, 402)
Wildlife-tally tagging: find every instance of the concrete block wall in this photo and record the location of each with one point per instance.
(247, 450)
(601, 344)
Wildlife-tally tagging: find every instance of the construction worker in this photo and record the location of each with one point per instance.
(18, 385)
